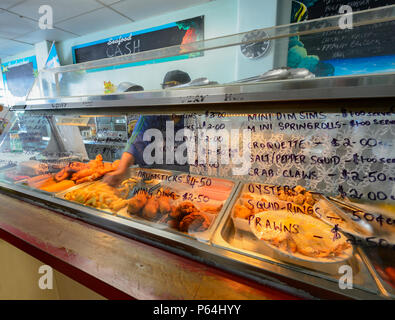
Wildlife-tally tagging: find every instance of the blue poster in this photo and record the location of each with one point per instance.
(18, 77)
(360, 50)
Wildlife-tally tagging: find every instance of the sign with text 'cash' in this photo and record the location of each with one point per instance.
(171, 34)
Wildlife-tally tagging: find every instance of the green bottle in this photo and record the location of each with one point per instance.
(15, 142)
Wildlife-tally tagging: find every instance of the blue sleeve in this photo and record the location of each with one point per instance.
(136, 144)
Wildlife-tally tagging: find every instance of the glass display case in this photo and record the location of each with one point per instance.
(285, 178)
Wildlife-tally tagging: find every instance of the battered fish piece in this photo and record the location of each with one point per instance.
(300, 189)
(299, 199)
(78, 166)
(137, 202)
(164, 204)
(182, 210)
(151, 209)
(173, 223)
(194, 222)
(242, 211)
(82, 174)
(309, 198)
(63, 174)
(282, 196)
(298, 195)
(247, 196)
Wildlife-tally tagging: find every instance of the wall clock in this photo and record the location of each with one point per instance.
(255, 50)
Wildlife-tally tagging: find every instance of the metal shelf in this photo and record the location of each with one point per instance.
(105, 143)
(344, 87)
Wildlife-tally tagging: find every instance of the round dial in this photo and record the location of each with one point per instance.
(254, 50)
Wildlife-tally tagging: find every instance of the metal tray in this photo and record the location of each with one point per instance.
(224, 238)
(335, 214)
(230, 237)
(384, 231)
(385, 288)
(271, 201)
(204, 236)
(22, 182)
(62, 194)
(134, 172)
(329, 265)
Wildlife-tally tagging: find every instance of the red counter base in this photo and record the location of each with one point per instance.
(114, 266)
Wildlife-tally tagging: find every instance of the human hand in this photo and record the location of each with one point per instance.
(114, 178)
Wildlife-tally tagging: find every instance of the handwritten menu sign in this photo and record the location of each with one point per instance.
(176, 33)
(344, 152)
(364, 41)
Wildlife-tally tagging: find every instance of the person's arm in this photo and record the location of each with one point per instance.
(127, 160)
(136, 143)
(132, 153)
(134, 150)
(114, 178)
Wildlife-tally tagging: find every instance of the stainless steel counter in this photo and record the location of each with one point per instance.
(343, 87)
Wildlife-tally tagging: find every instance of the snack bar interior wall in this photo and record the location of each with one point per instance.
(285, 178)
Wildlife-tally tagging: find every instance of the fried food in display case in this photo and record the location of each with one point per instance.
(372, 228)
(24, 170)
(167, 208)
(80, 172)
(44, 181)
(100, 195)
(279, 223)
(255, 198)
(183, 203)
(72, 174)
(345, 219)
(300, 237)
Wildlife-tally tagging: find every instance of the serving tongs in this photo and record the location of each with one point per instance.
(275, 74)
(362, 227)
(279, 74)
(199, 82)
(142, 185)
(346, 203)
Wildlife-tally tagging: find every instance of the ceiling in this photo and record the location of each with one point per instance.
(19, 27)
